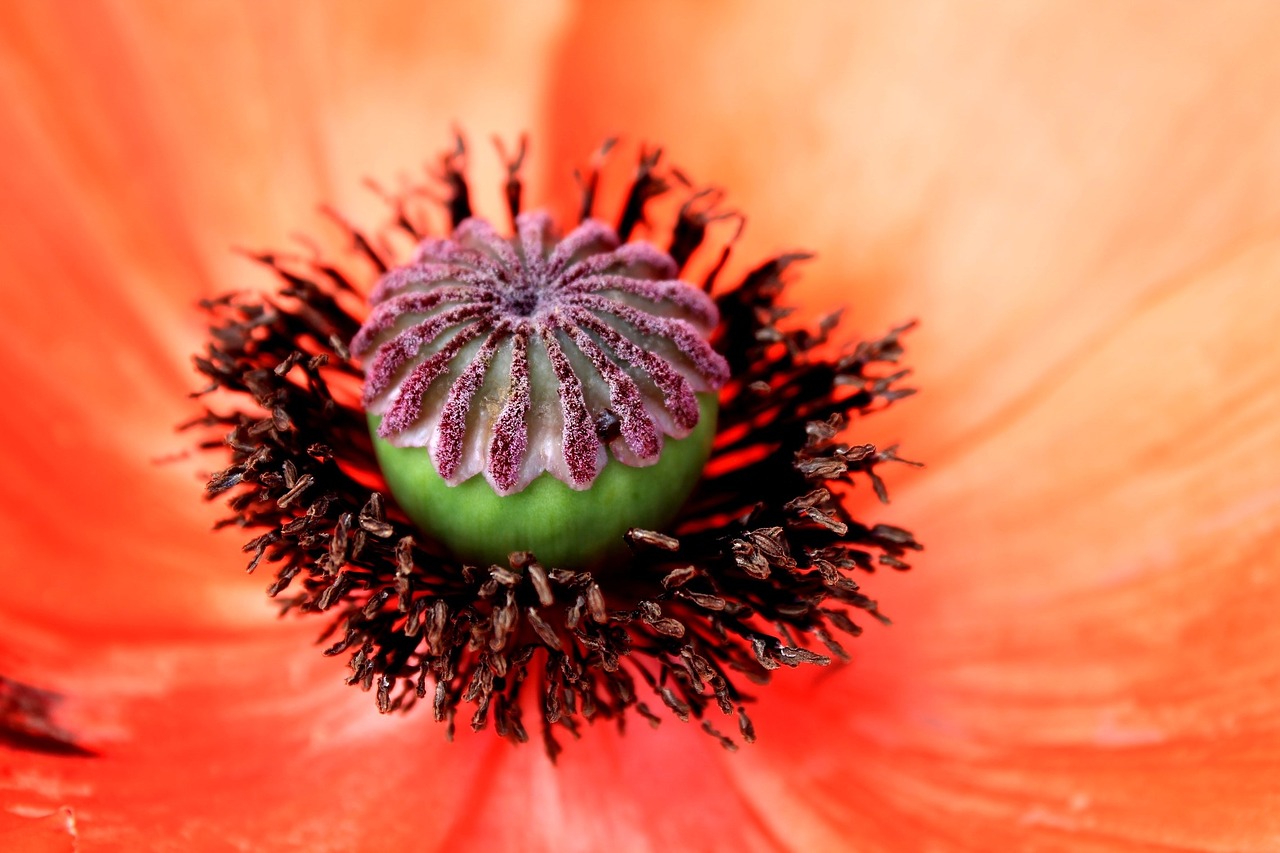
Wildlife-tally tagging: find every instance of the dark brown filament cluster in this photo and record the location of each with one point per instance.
(503, 356)
(759, 572)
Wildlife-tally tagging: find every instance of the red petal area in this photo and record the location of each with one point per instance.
(38, 830)
(253, 741)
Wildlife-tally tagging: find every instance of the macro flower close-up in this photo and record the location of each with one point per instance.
(1069, 214)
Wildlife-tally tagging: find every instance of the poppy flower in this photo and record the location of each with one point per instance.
(1082, 208)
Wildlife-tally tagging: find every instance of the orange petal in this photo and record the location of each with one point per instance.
(1090, 621)
(140, 143)
(1085, 218)
(1089, 650)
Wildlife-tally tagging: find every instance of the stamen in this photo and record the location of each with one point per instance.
(756, 573)
(28, 721)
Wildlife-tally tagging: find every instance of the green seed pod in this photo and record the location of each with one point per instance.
(528, 394)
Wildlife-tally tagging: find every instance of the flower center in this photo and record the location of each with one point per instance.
(521, 300)
(499, 355)
(761, 570)
(505, 377)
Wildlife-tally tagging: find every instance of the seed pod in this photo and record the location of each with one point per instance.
(534, 395)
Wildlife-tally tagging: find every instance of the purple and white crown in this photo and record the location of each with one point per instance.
(514, 357)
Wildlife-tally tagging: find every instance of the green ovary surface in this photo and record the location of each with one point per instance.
(561, 526)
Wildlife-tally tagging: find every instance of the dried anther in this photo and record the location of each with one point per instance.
(758, 566)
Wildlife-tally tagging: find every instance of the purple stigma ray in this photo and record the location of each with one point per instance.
(535, 232)
(677, 394)
(672, 292)
(444, 250)
(639, 260)
(451, 431)
(423, 275)
(640, 432)
(385, 316)
(406, 346)
(591, 237)
(482, 236)
(709, 363)
(579, 330)
(511, 433)
(581, 445)
(408, 404)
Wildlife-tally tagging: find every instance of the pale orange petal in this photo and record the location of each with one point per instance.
(1092, 651)
(1083, 210)
(1020, 179)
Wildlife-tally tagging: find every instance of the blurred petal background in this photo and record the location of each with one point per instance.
(1080, 201)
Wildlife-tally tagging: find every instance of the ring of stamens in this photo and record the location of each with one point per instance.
(759, 569)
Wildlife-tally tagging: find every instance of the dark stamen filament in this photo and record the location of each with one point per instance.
(760, 566)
